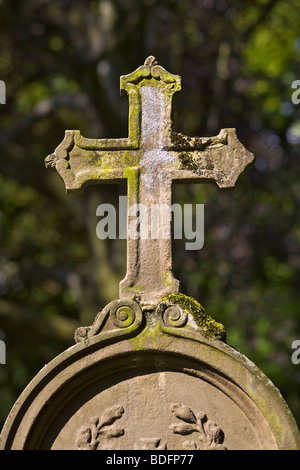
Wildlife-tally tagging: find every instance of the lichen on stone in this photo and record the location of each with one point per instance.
(133, 181)
(187, 162)
(210, 328)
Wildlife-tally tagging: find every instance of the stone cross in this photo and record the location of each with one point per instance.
(150, 159)
(153, 371)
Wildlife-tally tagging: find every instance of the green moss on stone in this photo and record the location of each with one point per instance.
(133, 181)
(187, 161)
(210, 328)
(150, 336)
(129, 159)
(169, 280)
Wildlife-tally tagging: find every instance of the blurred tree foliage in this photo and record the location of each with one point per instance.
(61, 61)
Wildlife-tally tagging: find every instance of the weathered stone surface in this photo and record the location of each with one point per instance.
(150, 159)
(153, 371)
(103, 394)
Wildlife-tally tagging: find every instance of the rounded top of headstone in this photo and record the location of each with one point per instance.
(121, 393)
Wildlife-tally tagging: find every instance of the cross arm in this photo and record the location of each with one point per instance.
(80, 161)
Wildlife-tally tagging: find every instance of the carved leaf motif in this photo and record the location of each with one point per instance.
(101, 428)
(183, 429)
(210, 434)
(215, 436)
(111, 415)
(85, 442)
(117, 432)
(183, 412)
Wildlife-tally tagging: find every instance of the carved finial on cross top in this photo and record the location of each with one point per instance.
(151, 158)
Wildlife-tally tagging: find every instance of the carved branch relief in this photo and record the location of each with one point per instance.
(100, 429)
(209, 435)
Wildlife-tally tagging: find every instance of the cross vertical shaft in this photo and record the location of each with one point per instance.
(151, 274)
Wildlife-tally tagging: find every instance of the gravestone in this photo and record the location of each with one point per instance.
(154, 371)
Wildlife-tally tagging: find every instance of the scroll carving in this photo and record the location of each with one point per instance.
(172, 315)
(116, 319)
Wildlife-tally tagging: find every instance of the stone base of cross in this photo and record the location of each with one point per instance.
(151, 158)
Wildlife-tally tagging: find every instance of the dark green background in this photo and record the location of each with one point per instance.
(61, 62)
